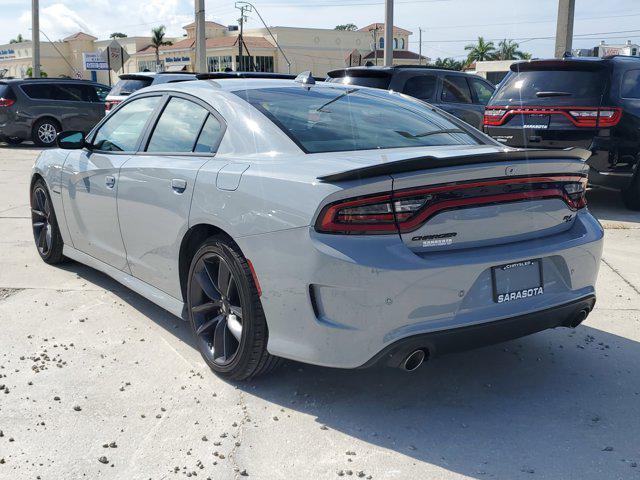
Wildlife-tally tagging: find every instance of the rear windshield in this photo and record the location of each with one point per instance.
(375, 82)
(338, 119)
(6, 92)
(576, 87)
(128, 86)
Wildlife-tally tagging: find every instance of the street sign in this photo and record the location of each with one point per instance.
(118, 56)
(95, 61)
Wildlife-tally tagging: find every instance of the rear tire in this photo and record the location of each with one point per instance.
(44, 132)
(46, 233)
(225, 312)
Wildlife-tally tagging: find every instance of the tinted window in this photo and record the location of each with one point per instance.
(101, 92)
(339, 119)
(422, 87)
(6, 92)
(127, 87)
(482, 90)
(210, 135)
(120, 133)
(40, 91)
(455, 89)
(178, 127)
(574, 87)
(630, 84)
(375, 82)
(72, 92)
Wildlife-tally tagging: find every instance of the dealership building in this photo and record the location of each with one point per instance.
(300, 49)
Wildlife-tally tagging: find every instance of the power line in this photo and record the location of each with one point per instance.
(586, 36)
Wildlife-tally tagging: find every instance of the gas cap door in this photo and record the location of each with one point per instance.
(229, 176)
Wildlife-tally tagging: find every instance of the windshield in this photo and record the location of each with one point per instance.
(576, 87)
(335, 119)
(129, 86)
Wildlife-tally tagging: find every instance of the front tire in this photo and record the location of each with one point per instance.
(225, 312)
(45, 225)
(44, 132)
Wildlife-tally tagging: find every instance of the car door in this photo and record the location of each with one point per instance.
(422, 87)
(156, 186)
(456, 98)
(90, 182)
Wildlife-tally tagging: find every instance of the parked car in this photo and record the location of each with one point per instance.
(132, 82)
(325, 223)
(592, 103)
(38, 109)
(461, 94)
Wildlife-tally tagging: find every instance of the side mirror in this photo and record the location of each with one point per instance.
(71, 140)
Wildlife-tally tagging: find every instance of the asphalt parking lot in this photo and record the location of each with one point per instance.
(97, 382)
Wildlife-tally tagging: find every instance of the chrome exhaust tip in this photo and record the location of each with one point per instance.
(414, 360)
(580, 317)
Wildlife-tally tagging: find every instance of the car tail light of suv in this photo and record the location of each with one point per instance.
(580, 116)
(6, 102)
(109, 104)
(406, 210)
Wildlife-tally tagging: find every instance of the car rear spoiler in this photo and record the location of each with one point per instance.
(429, 162)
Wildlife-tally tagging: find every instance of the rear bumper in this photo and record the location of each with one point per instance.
(466, 338)
(340, 301)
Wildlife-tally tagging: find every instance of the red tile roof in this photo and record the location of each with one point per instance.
(399, 54)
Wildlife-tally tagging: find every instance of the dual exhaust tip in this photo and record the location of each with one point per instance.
(413, 361)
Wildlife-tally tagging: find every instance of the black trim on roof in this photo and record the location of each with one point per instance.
(430, 162)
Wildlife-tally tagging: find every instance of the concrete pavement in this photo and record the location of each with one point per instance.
(97, 382)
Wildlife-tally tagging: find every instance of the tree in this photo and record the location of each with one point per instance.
(349, 27)
(480, 51)
(29, 73)
(509, 50)
(118, 35)
(449, 63)
(18, 39)
(157, 41)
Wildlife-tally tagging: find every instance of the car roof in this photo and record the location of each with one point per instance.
(389, 70)
(234, 84)
(52, 79)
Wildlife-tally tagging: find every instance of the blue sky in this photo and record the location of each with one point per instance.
(448, 25)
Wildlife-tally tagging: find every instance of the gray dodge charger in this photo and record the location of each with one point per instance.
(330, 224)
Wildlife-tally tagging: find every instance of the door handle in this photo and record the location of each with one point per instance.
(110, 181)
(179, 185)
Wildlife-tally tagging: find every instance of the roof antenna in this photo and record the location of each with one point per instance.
(306, 79)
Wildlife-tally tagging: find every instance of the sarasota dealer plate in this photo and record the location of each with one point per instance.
(516, 281)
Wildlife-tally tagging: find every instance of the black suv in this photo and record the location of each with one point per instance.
(593, 103)
(461, 94)
(39, 109)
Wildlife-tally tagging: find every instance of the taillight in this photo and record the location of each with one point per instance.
(603, 117)
(6, 102)
(111, 104)
(406, 210)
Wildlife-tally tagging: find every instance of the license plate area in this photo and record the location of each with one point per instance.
(535, 120)
(518, 280)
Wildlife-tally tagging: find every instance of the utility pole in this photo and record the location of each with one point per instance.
(35, 32)
(420, 46)
(375, 44)
(564, 29)
(201, 39)
(388, 33)
(241, 20)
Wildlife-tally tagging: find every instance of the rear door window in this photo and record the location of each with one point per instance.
(210, 135)
(630, 84)
(455, 89)
(71, 92)
(552, 87)
(121, 132)
(128, 86)
(40, 91)
(6, 92)
(482, 90)
(178, 127)
(422, 87)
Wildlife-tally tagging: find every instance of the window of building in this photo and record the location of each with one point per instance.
(264, 63)
(381, 42)
(631, 84)
(178, 127)
(149, 65)
(455, 89)
(395, 43)
(213, 64)
(401, 43)
(244, 65)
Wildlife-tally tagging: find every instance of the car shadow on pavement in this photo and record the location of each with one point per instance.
(607, 206)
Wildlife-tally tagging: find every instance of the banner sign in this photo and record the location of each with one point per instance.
(95, 61)
(7, 54)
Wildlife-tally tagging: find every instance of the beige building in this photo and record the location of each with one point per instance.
(315, 49)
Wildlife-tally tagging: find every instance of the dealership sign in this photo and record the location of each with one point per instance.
(7, 54)
(178, 60)
(95, 61)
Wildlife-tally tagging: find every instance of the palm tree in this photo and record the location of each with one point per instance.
(18, 39)
(509, 50)
(157, 41)
(449, 62)
(481, 51)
